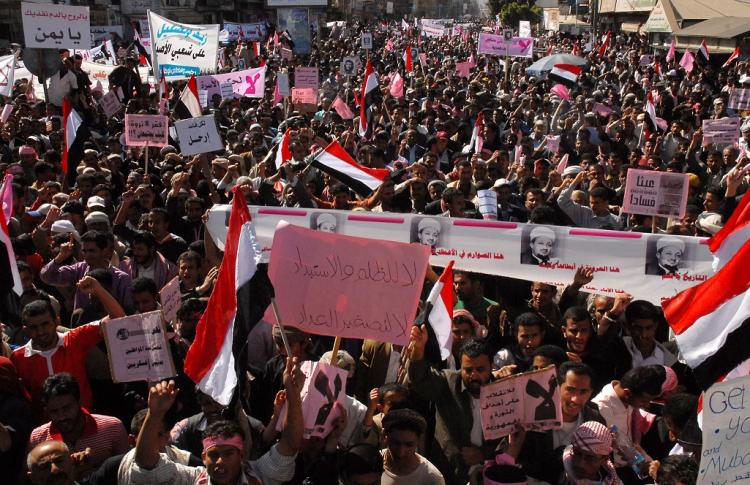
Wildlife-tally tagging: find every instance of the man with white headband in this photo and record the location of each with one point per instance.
(224, 445)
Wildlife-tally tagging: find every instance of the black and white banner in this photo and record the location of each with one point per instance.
(648, 266)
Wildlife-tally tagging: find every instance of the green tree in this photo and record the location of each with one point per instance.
(512, 12)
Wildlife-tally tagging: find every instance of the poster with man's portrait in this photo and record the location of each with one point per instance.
(427, 231)
(325, 222)
(540, 245)
(666, 255)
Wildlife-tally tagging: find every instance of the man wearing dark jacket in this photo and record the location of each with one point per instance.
(541, 453)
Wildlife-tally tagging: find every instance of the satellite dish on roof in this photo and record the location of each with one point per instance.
(43, 63)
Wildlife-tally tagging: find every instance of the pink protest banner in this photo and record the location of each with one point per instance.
(495, 45)
(306, 77)
(250, 83)
(324, 386)
(331, 284)
(146, 130)
(463, 69)
(304, 96)
(531, 399)
(652, 193)
(602, 109)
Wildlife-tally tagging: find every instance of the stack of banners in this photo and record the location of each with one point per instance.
(50, 26)
(652, 267)
(101, 72)
(496, 45)
(182, 49)
(250, 83)
(254, 32)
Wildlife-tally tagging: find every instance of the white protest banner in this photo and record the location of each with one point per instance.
(366, 40)
(653, 193)
(97, 54)
(329, 284)
(531, 399)
(101, 72)
(726, 433)
(324, 386)
(170, 299)
(138, 349)
(722, 131)
(283, 80)
(203, 98)
(739, 99)
(524, 28)
(110, 104)
(182, 49)
(306, 77)
(253, 31)
(198, 135)
(622, 261)
(146, 130)
(52, 26)
(433, 31)
(103, 33)
(250, 83)
(7, 75)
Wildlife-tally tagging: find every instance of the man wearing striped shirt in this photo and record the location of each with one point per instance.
(224, 443)
(95, 435)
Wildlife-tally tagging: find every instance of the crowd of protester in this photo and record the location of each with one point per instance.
(102, 244)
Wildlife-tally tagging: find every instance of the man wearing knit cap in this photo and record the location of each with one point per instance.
(587, 458)
(541, 245)
(669, 253)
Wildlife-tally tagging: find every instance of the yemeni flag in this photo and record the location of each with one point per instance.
(703, 51)
(163, 94)
(605, 45)
(143, 58)
(711, 321)
(240, 297)
(566, 74)
(283, 153)
(336, 162)
(651, 120)
(189, 105)
(731, 59)
(736, 232)
(476, 142)
(439, 310)
(10, 280)
(408, 62)
(370, 92)
(76, 134)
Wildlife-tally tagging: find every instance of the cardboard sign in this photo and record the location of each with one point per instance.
(496, 45)
(739, 99)
(349, 66)
(324, 386)
(725, 433)
(283, 80)
(329, 284)
(463, 69)
(531, 399)
(306, 77)
(51, 26)
(226, 90)
(203, 97)
(170, 298)
(146, 130)
(198, 135)
(652, 193)
(524, 28)
(487, 204)
(138, 349)
(286, 54)
(553, 143)
(304, 96)
(724, 131)
(366, 40)
(110, 104)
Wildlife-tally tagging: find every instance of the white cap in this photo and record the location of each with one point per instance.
(64, 227)
(95, 201)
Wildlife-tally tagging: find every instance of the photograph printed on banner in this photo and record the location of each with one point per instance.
(427, 231)
(666, 255)
(325, 221)
(540, 245)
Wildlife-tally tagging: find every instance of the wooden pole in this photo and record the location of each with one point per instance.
(276, 313)
(146, 159)
(335, 351)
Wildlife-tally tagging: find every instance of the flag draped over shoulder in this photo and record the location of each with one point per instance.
(711, 321)
(241, 295)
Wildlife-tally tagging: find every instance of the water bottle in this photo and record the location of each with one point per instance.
(635, 458)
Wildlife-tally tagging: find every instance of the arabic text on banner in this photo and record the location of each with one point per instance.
(496, 45)
(250, 83)
(723, 131)
(50, 26)
(622, 261)
(146, 130)
(182, 49)
(138, 349)
(652, 193)
(198, 135)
